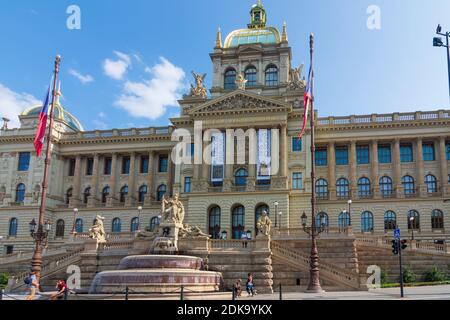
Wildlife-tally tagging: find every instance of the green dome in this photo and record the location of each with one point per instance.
(266, 35)
(59, 114)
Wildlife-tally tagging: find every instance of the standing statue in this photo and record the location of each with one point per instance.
(264, 224)
(295, 80)
(241, 82)
(97, 231)
(172, 210)
(199, 90)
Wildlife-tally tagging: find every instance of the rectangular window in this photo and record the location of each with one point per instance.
(428, 152)
(296, 144)
(126, 165)
(406, 153)
(297, 181)
(447, 150)
(89, 166)
(191, 150)
(24, 161)
(362, 154)
(341, 156)
(321, 157)
(384, 154)
(163, 163)
(144, 164)
(108, 167)
(187, 184)
(72, 167)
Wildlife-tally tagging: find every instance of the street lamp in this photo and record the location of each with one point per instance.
(279, 214)
(139, 218)
(75, 212)
(276, 210)
(411, 221)
(350, 212)
(437, 42)
(41, 234)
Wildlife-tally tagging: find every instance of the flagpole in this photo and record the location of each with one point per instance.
(41, 235)
(314, 279)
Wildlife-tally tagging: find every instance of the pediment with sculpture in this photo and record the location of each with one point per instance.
(239, 102)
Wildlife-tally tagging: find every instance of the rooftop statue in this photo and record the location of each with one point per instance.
(97, 231)
(241, 82)
(199, 90)
(295, 80)
(264, 224)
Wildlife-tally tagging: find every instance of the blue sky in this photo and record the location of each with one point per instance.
(135, 56)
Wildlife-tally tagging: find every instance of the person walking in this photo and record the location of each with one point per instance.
(32, 284)
(250, 286)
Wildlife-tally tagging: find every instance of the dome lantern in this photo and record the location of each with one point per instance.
(258, 16)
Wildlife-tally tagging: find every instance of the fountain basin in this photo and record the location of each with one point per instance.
(161, 262)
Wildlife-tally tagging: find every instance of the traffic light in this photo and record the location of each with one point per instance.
(395, 247)
(404, 244)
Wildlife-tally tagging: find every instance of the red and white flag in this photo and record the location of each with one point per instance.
(40, 134)
(307, 101)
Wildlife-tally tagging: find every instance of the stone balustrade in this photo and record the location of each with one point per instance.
(118, 133)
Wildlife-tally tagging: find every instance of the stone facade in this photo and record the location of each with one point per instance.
(272, 100)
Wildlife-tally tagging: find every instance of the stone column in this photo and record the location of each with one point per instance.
(353, 172)
(331, 170)
(397, 165)
(170, 168)
(206, 165)
(150, 176)
(420, 168)
(374, 169)
(112, 180)
(229, 160)
(132, 179)
(77, 179)
(94, 179)
(444, 166)
(283, 151)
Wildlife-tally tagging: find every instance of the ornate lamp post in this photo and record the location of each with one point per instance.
(411, 221)
(75, 213)
(279, 214)
(40, 235)
(276, 210)
(349, 202)
(139, 218)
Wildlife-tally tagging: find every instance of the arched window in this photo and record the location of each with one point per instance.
(344, 220)
(251, 76)
(258, 213)
(161, 192)
(20, 193)
(413, 220)
(240, 178)
(214, 217)
(408, 185)
(69, 194)
(105, 194)
(386, 186)
(238, 222)
(116, 226)
(60, 226)
(367, 222)
(431, 183)
(79, 225)
(364, 189)
(230, 79)
(322, 220)
(142, 193)
(86, 195)
(13, 223)
(271, 76)
(342, 188)
(154, 223)
(437, 219)
(322, 189)
(123, 194)
(134, 225)
(390, 220)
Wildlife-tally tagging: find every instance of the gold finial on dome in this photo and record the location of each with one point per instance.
(258, 16)
(284, 37)
(218, 39)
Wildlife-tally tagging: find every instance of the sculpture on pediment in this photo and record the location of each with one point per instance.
(264, 224)
(97, 232)
(295, 81)
(192, 232)
(241, 82)
(172, 210)
(199, 90)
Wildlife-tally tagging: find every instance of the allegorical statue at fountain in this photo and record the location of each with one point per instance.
(97, 231)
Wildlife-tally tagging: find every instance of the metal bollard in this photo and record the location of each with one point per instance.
(127, 292)
(281, 292)
(66, 294)
(182, 293)
(233, 296)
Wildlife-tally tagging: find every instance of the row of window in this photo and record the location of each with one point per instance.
(251, 75)
(384, 154)
(365, 189)
(125, 169)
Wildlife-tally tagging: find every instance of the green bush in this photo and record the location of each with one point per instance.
(434, 275)
(384, 277)
(3, 280)
(408, 275)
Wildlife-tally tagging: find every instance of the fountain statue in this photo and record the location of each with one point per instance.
(264, 224)
(97, 232)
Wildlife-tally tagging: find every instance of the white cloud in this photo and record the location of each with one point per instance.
(100, 125)
(13, 103)
(150, 98)
(116, 69)
(84, 79)
(102, 115)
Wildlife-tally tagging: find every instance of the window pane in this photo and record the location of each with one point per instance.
(163, 163)
(108, 166)
(362, 154)
(321, 157)
(406, 153)
(72, 167)
(341, 156)
(89, 166)
(24, 161)
(296, 144)
(384, 154)
(126, 165)
(447, 150)
(230, 80)
(187, 184)
(297, 181)
(271, 76)
(144, 165)
(428, 152)
(250, 76)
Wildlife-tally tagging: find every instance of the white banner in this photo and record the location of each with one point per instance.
(217, 157)
(264, 154)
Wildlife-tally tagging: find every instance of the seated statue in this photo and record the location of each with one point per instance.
(97, 231)
(192, 232)
(147, 234)
(264, 224)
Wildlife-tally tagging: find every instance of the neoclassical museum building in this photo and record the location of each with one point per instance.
(374, 171)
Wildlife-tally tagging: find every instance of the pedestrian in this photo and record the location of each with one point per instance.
(32, 284)
(61, 286)
(237, 288)
(250, 286)
(244, 240)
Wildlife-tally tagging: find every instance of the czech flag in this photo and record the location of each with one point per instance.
(40, 134)
(307, 100)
